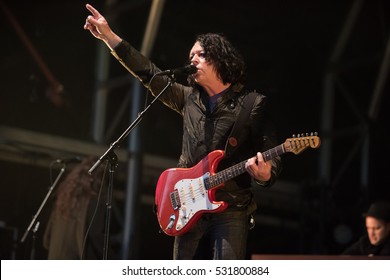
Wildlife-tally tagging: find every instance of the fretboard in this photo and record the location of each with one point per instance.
(239, 168)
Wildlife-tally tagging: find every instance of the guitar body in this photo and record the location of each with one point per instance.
(182, 195)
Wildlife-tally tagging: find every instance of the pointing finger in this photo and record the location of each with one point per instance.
(94, 12)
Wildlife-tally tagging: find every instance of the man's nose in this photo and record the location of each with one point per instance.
(195, 60)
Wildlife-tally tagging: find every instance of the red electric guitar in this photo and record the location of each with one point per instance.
(184, 194)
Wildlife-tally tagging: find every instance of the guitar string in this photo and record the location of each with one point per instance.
(231, 172)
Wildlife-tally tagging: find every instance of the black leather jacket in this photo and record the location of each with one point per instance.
(205, 131)
(363, 247)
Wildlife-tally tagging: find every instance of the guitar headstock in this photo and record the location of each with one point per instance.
(301, 142)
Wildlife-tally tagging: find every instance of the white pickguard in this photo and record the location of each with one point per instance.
(193, 198)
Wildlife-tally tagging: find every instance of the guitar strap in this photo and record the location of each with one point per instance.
(243, 117)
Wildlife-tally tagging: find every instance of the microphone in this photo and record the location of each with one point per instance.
(185, 70)
(69, 160)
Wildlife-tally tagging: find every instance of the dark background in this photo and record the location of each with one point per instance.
(288, 47)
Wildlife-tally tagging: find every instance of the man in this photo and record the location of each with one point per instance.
(210, 107)
(377, 240)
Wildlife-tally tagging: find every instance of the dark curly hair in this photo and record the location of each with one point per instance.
(226, 59)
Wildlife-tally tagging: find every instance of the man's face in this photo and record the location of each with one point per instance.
(378, 230)
(206, 73)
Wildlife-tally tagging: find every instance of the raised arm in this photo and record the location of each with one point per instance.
(99, 28)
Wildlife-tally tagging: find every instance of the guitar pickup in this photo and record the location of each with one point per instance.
(175, 199)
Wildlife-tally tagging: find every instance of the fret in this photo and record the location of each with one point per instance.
(239, 168)
(274, 152)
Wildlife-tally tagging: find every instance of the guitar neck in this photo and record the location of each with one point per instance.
(239, 168)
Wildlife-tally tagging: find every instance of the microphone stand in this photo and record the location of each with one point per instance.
(39, 211)
(34, 238)
(113, 159)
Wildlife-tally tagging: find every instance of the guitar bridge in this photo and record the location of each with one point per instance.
(175, 199)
